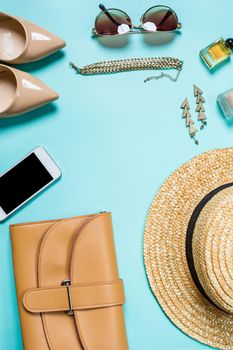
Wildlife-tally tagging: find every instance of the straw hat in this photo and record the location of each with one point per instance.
(188, 248)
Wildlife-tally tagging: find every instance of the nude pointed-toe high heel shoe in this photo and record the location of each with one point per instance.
(22, 41)
(21, 92)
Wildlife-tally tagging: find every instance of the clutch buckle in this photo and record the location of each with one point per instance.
(67, 284)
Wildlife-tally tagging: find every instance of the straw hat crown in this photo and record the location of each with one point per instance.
(212, 248)
(188, 247)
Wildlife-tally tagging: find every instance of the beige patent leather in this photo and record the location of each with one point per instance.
(80, 250)
(21, 92)
(22, 41)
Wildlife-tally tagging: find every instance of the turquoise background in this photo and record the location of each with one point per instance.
(116, 140)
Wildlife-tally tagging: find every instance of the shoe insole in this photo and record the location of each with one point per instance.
(12, 39)
(7, 89)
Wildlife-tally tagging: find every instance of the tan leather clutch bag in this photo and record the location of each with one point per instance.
(69, 293)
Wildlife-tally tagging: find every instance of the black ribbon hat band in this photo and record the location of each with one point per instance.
(189, 237)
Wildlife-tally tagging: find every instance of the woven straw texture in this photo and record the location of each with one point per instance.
(165, 255)
(213, 249)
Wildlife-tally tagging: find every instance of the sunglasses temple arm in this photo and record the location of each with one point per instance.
(103, 8)
(167, 15)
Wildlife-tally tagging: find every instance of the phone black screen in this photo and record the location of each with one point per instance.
(21, 182)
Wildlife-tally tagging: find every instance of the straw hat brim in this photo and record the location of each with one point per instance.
(165, 248)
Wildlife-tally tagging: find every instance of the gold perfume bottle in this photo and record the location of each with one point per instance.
(217, 53)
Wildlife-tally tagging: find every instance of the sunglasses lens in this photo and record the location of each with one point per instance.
(112, 22)
(160, 18)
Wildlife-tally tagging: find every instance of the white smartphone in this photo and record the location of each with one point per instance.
(26, 179)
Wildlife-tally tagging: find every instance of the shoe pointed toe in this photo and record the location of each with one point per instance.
(22, 92)
(22, 41)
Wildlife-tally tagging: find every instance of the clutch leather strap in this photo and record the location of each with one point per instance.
(81, 297)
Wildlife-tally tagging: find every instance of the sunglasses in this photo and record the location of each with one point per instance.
(116, 22)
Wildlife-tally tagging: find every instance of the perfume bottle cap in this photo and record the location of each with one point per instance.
(229, 43)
